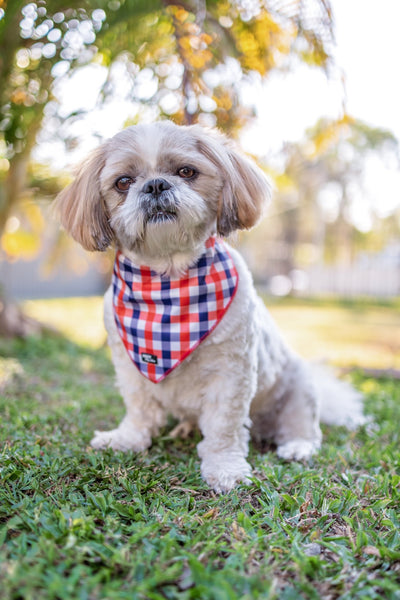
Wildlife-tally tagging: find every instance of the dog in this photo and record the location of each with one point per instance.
(189, 336)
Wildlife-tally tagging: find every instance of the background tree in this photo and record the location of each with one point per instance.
(194, 56)
(196, 52)
(322, 188)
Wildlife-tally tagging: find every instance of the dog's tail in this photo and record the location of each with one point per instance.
(340, 402)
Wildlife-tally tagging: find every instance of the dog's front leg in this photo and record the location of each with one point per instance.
(144, 415)
(224, 423)
(141, 422)
(224, 449)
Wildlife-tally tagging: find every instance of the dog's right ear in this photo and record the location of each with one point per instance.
(81, 206)
(245, 187)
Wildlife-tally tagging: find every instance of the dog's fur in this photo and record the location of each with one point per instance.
(243, 376)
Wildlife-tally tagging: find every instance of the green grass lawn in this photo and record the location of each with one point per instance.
(79, 524)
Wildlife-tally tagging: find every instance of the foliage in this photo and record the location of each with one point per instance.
(186, 48)
(33, 40)
(81, 524)
(196, 53)
(25, 229)
(323, 185)
(181, 48)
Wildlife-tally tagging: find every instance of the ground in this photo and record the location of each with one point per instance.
(75, 523)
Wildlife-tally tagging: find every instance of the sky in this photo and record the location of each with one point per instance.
(368, 47)
(367, 56)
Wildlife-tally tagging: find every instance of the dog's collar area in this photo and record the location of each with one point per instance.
(162, 319)
(138, 269)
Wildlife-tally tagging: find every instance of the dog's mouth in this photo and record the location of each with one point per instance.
(159, 209)
(159, 216)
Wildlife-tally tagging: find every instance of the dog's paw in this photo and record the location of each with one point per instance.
(120, 439)
(297, 449)
(223, 475)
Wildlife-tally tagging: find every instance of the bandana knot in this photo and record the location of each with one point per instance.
(162, 319)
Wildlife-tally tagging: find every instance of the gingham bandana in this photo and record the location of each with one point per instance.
(162, 319)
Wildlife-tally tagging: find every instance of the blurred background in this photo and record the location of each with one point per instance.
(307, 87)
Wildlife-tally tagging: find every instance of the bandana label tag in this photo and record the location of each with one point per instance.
(149, 358)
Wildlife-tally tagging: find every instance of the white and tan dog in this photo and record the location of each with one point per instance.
(158, 193)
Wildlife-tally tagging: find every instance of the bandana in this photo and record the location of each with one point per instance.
(162, 319)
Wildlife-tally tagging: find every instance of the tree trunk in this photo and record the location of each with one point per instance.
(13, 322)
(9, 42)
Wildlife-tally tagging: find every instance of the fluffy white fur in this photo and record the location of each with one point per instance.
(243, 379)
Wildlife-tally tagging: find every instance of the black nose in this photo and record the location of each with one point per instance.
(155, 187)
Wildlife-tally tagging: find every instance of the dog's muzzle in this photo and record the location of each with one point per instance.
(158, 201)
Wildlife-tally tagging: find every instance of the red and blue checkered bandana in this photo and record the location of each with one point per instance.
(162, 319)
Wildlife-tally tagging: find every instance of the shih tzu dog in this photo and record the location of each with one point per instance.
(188, 334)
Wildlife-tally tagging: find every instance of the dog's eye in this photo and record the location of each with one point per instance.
(123, 183)
(186, 172)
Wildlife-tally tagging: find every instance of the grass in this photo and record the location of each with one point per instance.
(360, 333)
(88, 525)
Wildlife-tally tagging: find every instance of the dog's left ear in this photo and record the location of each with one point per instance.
(81, 207)
(246, 190)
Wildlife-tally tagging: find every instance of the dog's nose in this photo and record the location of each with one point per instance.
(155, 187)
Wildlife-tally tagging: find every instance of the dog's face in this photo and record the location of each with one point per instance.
(157, 191)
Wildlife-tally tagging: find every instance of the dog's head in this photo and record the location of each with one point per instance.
(160, 190)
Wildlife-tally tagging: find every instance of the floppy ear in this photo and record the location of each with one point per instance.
(246, 189)
(81, 207)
